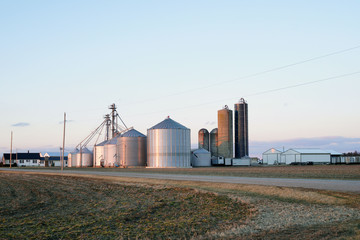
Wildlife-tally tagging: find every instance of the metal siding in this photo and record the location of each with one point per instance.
(316, 158)
(131, 151)
(168, 148)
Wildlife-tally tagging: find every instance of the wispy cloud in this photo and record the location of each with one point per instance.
(21, 124)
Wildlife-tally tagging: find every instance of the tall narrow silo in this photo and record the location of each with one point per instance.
(225, 133)
(204, 139)
(131, 149)
(241, 129)
(99, 154)
(168, 145)
(214, 142)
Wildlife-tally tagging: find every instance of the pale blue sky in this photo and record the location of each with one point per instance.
(185, 59)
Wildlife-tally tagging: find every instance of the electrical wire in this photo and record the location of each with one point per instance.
(251, 75)
(257, 93)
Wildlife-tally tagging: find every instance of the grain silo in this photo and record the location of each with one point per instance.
(99, 151)
(214, 142)
(69, 160)
(73, 157)
(225, 133)
(84, 158)
(201, 158)
(110, 156)
(131, 149)
(168, 145)
(241, 129)
(204, 139)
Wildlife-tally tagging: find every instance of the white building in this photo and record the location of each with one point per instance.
(301, 156)
(22, 159)
(272, 157)
(306, 155)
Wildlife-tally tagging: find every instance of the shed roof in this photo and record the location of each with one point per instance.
(272, 151)
(309, 150)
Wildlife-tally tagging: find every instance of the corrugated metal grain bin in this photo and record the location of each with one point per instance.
(73, 157)
(84, 158)
(131, 149)
(99, 154)
(69, 160)
(168, 145)
(110, 155)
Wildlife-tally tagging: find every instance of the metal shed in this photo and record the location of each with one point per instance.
(272, 156)
(305, 155)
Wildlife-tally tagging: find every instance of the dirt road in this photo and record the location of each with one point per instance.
(323, 184)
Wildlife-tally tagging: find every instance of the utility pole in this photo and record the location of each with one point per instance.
(11, 148)
(63, 148)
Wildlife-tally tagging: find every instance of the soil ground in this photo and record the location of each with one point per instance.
(48, 206)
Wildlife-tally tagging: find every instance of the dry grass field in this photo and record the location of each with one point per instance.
(311, 171)
(61, 206)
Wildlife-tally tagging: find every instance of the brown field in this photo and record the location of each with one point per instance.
(53, 206)
(311, 171)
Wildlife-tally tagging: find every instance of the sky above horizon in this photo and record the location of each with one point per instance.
(296, 63)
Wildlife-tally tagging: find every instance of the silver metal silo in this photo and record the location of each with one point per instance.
(168, 145)
(131, 149)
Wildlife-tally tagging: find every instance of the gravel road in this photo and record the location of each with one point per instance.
(323, 184)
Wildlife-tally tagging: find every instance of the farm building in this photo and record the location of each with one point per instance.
(22, 159)
(53, 161)
(272, 156)
(306, 155)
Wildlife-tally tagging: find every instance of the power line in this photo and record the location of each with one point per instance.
(252, 75)
(257, 93)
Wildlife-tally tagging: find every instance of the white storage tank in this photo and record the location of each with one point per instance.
(110, 156)
(69, 160)
(73, 157)
(201, 158)
(168, 145)
(99, 154)
(131, 149)
(84, 158)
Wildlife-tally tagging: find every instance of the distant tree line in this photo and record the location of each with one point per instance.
(355, 153)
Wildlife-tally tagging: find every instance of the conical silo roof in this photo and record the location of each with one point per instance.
(85, 150)
(168, 123)
(133, 133)
(102, 143)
